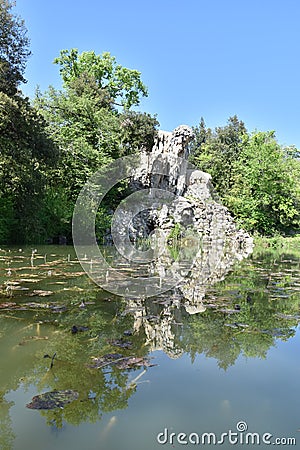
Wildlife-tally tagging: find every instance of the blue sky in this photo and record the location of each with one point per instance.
(210, 58)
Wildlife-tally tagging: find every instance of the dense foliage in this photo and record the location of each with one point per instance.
(87, 127)
(48, 149)
(113, 83)
(26, 151)
(257, 179)
(14, 48)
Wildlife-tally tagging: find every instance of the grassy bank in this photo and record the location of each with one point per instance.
(277, 244)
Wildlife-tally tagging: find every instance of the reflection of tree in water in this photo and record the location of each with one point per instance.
(6, 431)
(100, 390)
(243, 315)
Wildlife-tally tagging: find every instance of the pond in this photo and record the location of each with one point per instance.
(147, 373)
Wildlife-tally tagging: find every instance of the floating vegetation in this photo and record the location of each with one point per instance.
(133, 362)
(33, 339)
(29, 280)
(120, 343)
(120, 361)
(41, 293)
(54, 307)
(14, 286)
(245, 314)
(53, 399)
(8, 305)
(128, 333)
(78, 328)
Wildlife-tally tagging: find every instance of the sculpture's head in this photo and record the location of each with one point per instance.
(185, 132)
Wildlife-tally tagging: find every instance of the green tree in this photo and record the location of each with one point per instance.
(215, 152)
(86, 135)
(138, 131)
(84, 122)
(254, 177)
(120, 86)
(14, 48)
(202, 134)
(25, 154)
(26, 151)
(264, 195)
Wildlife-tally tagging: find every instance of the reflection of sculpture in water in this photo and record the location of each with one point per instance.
(159, 329)
(160, 321)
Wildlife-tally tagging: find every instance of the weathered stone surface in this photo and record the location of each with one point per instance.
(165, 167)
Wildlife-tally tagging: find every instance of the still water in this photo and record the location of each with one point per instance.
(140, 372)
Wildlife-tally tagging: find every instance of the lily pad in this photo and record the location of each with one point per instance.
(16, 287)
(287, 316)
(128, 333)
(229, 311)
(75, 274)
(58, 308)
(53, 399)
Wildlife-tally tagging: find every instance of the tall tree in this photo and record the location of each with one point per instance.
(215, 152)
(26, 152)
(265, 187)
(86, 122)
(120, 85)
(14, 48)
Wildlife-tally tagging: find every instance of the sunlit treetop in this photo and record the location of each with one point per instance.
(14, 48)
(123, 86)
